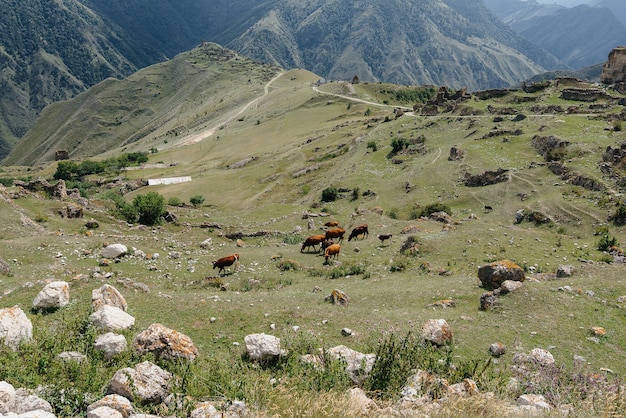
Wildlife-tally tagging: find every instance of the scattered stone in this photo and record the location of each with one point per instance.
(337, 297)
(564, 271)
(423, 385)
(497, 349)
(111, 318)
(364, 404)
(598, 331)
(509, 286)
(532, 402)
(111, 344)
(467, 387)
(346, 332)
(72, 356)
(359, 365)
(107, 295)
(114, 251)
(146, 383)
(15, 327)
(263, 347)
(541, 357)
(443, 303)
(7, 397)
(116, 402)
(165, 343)
(54, 295)
(240, 243)
(437, 332)
(104, 412)
(207, 243)
(92, 224)
(489, 301)
(25, 402)
(71, 211)
(5, 268)
(494, 274)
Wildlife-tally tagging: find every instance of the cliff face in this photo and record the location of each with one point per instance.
(614, 70)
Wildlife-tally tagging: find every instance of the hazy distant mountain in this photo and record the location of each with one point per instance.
(618, 7)
(579, 36)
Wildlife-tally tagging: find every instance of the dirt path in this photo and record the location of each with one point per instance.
(199, 136)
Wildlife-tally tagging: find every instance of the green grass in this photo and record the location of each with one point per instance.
(389, 292)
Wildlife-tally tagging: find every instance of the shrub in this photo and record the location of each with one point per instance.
(196, 200)
(606, 242)
(393, 213)
(330, 194)
(432, 208)
(619, 216)
(398, 144)
(174, 201)
(150, 207)
(372, 145)
(355, 194)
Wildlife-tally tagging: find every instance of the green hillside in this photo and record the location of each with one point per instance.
(531, 176)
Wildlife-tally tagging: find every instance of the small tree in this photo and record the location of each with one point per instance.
(196, 200)
(150, 207)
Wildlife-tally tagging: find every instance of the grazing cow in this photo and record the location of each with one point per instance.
(359, 230)
(224, 262)
(332, 251)
(327, 243)
(331, 224)
(488, 208)
(383, 237)
(335, 233)
(312, 241)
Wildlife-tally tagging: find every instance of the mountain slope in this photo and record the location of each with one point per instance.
(579, 36)
(436, 42)
(51, 51)
(155, 104)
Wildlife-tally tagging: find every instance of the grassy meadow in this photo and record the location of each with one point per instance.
(301, 142)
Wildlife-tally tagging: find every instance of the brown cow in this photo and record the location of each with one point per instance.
(312, 241)
(359, 230)
(335, 233)
(331, 224)
(332, 251)
(224, 262)
(327, 243)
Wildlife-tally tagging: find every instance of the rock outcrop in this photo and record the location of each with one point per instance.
(614, 70)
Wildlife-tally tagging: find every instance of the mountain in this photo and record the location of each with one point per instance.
(616, 6)
(52, 51)
(454, 43)
(154, 106)
(579, 36)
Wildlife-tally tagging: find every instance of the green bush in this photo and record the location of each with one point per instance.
(150, 208)
(606, 242)
(432, 208)
(397, 145)
(196, 200)
(372, 145)
(619, 216)
(174, 201)
(330, 194)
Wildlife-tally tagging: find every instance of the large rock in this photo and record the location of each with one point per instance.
(7, 397)
(146, 383)
(104, 412)
(15, 327)
(54, 295)
(437, 332)
(494, 274)
(110, 318)
(116, 402)
(107, 295)
(25, 402)
(165, 343)
(114, 251)
(614, 69)
(358, 365)
(111, 344)
(263, 347)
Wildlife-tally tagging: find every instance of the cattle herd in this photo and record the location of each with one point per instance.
(325, 241)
